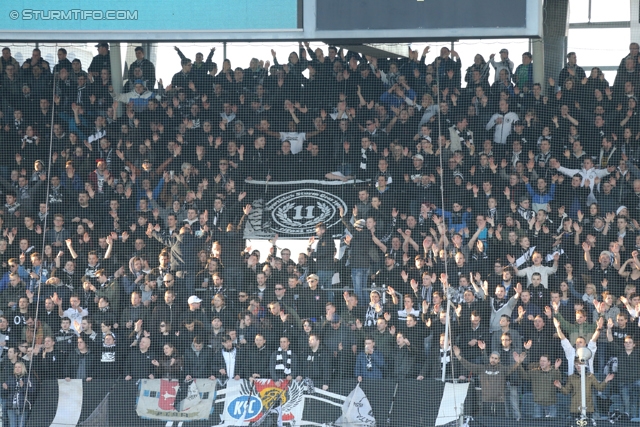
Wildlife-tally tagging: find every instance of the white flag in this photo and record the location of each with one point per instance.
(192, 399)
(356, 410)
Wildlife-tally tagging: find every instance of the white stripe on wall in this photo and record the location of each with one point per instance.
(453, 397)
(69, 403)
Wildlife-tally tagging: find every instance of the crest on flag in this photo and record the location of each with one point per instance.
(247, 402)
(167, 400)
(168, 393)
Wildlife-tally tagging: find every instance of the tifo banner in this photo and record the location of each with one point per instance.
(292, 209)
(248, 402)
(371, 403)
(176, 400)
(161, 403)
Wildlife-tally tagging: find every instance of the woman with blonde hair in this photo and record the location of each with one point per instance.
(19, 390)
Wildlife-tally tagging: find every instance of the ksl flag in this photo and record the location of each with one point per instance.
(176, 400)
(247, 402)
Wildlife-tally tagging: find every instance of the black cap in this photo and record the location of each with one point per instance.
(103, 44)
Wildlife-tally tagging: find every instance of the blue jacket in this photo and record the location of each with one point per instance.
(541, 198)
(32, 284)
(391, 100)
(375, 371)
(466, 219)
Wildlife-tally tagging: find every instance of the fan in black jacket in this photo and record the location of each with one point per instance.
(315, 363)
(433, 366)
(138, 363)
(255, 359)
(198, 361)
(49, 362)
(81, 363)
(402, 364)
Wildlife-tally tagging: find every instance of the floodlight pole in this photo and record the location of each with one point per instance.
(583, 390)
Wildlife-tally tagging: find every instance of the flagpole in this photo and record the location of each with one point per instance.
(246, 405)
(446, 270)
(446, 339)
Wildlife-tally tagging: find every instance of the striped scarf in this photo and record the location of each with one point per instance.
(281, 364)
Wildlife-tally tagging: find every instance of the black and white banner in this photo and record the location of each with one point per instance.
(159, 403)
(292, 209)
(61, 403)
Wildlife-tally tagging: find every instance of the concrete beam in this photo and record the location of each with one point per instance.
(604, 25)
(555, 32)
(116, 70)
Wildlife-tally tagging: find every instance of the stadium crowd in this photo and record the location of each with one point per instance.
(132, 247)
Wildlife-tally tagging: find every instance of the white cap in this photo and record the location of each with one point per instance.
(193, 299)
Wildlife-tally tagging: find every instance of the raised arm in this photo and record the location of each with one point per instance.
(393, 294)
(578, 231)
(587, 255)
(180, 54)
(468, 365)
(73, 253)
(58, 301)
(610, 330)
(622, 271)
(596, 333)
(556, 323)
(477, 284)
(475, 236)
(109, 251)
(378, 243)
(408, 241)
(246, 211)
(346, 223)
